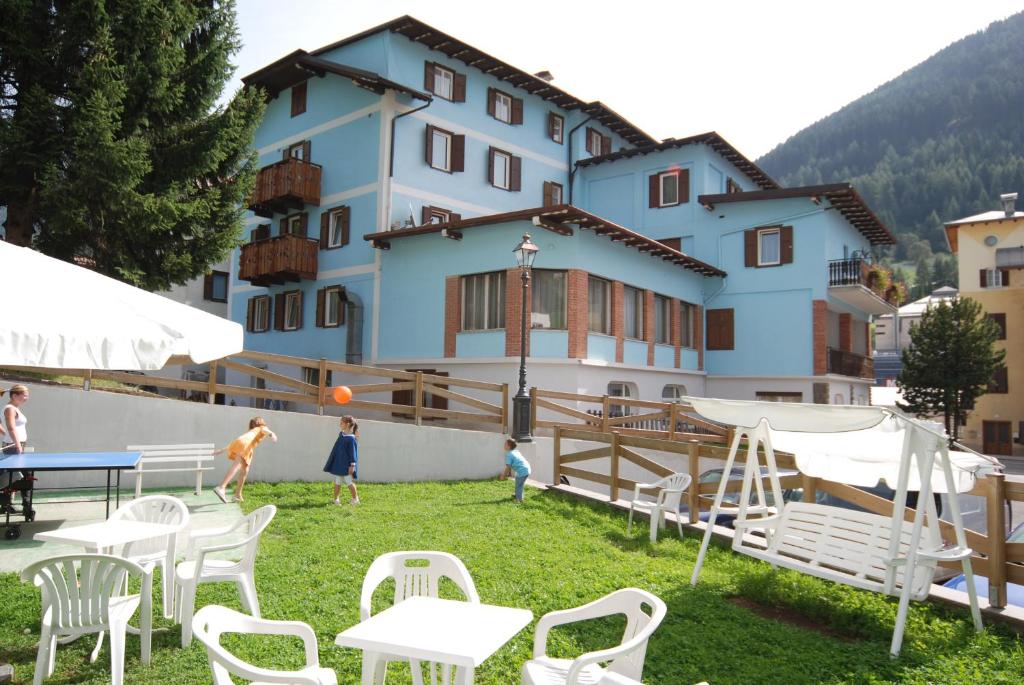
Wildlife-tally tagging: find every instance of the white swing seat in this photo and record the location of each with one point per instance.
(842, 545)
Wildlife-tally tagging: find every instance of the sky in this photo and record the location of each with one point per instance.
(755, 72)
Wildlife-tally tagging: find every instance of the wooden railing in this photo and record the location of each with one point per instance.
(667, 420)
(994, 557)
(850, 364)
(288, 184)
(278, 260)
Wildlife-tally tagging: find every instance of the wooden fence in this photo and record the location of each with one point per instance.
(994, 557)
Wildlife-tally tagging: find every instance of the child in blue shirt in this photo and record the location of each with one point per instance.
(515, 464)
(343, 461)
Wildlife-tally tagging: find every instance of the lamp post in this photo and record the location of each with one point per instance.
(525, 253)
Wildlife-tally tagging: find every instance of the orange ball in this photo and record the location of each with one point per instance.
(342, 394)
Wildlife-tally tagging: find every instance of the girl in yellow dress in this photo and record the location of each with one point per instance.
(240, 451)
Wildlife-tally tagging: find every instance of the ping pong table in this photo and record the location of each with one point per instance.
(28, 464)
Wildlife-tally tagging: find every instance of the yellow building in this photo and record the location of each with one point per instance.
(990, 247)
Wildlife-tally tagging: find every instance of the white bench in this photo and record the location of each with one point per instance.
(844, 546)
(172, 459)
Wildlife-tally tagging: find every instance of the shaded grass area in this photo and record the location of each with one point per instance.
(551, 553)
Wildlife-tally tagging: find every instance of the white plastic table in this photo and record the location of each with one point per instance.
(461, 634)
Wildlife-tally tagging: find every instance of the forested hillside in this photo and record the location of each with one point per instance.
(939, 142)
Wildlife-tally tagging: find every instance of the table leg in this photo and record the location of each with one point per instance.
(369, 667)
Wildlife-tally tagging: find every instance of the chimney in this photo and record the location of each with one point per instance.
(1009, 201)
(545, 76)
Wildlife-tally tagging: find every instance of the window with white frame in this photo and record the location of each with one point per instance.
(633, 312)
(673, 393)
(993, 278)
(503, 107)
(599, 305)
(769, 247)
(548, 299)
(501, 163)
(483, 301)
(662, 319)
(337, 224)
(439, 216)
(292, 310)
(260, 314)
(668, 184)
(332, 307)
(556, 126)
(688, 325)
(594, 141)
(297, 151)
(441, 149)
(293, 224)
(444, 80)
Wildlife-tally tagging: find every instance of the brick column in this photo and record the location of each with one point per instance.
(867, 338)
(618, 321)
(649, 325)
(698, 336)
(452, 313)
(677, 329)
(820, 337)
(577, 313)
(513, 312)
(846, 332)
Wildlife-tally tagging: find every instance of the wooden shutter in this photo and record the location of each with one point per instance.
(548, 199)
(453, 217)
(750, 247)
(1000, 382)
(430, 145)
(786, 240)
(515, 172)
(261, 232)
(684, 186)
(208, 286)
(490, 165)
(321, 299)
(286, 152)
(459, 88)
(306, 155)
(606, 145)
(1000, 320)
(250, 305)
(984, 278)
(517, 111)
(653, 191)
(346, 212)
(1006, 277)
(298, 322)
(492, 97)
(590, 144)
(428, 77)
(458, 156)
(425, 215)
(551, 125)
(279, 312)
(299, 99)
(325, 229)
(720, 329)
(283, 227)
(304, 224)
(674, 243)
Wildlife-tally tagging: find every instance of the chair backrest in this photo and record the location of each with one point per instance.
(639, 626)
(414, 578)
(672, 488)
(151, 509)
(254, 524)
(210, 622)
(78, 587)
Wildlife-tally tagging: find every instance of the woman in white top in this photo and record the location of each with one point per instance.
(15, 435)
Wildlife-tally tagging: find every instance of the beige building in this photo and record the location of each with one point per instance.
(990, 247)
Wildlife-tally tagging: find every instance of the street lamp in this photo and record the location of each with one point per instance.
(525, 252)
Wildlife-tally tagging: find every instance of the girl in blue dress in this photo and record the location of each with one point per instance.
(343, 461)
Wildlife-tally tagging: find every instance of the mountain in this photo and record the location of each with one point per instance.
(941, 141)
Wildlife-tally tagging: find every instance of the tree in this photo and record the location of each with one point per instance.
(950, 362)
(922, 279)
(113, 150)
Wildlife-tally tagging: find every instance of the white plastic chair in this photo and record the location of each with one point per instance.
(159, 551)
(413, 581)
(669, 498)
(81, 594)
(212, 621)
(201, 569)
(624, 661)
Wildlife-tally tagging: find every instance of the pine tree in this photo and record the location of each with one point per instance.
(922, 279)
(113, 150)
(950, 362)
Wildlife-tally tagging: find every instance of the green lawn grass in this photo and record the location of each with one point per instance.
(551, 553)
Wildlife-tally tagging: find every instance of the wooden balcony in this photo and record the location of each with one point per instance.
(845, 363)
(286, 186)
(279, 260)
(863, 286)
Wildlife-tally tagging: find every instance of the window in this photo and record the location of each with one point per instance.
(548, 300)
(504, 107)
(620, 389)
(599, 305)
(1000, 320)
(441, 157)
(261, 232)
(552, 194)
(504, 170)
(668, 182)
(598, 144)
(215, 286)
(330, 306)
(674, 243)
(334, 228)
(720, 330)
(673, 393)
(995, 278)
(776, 396)
(438, 215)
(297, 151)
(1000, 382)
(299, 99)
(311, 375)
(688, 325)
(633, 312)
(769, 243)
(668, 188)
(443, 82)
(662, 319)
(288, 316)
(258, 314)
(556, 127)
(483, 301)
(732, 186)
(294, 224)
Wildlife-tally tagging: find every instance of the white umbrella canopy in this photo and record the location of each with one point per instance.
(57, 315)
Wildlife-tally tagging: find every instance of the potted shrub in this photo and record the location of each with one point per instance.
(879, 279)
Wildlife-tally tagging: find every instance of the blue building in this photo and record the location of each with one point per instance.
(400, 167)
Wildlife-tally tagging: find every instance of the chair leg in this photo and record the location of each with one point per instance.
(117, 639)
(655, 515)
(629, 525)
(44, 656)
(247, 588)
(167, 586)
(185, 610)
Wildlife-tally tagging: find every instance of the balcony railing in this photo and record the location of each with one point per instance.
(856, 271)
(845, 363)
(284, 186)
(279, 260)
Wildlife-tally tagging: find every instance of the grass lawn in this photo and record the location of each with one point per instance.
(553, 552)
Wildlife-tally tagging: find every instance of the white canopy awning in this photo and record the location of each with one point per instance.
(59, 315)
(847, 444)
